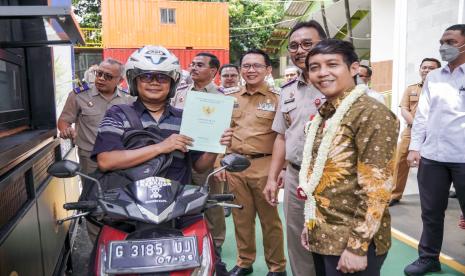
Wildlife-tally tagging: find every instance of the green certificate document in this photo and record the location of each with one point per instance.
(204, 119)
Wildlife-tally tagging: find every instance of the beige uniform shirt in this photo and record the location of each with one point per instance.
(252, 119)
(299, 101)
(411, 97)
(86, 109)
(180, 97)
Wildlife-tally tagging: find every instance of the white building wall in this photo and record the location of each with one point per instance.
(382, 30)
(406, 32)
(426, 21)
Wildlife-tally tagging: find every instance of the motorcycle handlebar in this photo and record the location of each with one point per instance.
(222, 197)
(81, 205)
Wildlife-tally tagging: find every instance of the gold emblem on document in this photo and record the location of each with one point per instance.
(208, 110)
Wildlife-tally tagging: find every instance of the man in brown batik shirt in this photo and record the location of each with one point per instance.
(352, 232)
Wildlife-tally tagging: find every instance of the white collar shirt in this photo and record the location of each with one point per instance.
(374, 94)
(438, 130)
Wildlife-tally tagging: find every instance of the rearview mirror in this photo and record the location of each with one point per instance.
(235, 162)
(64, 169)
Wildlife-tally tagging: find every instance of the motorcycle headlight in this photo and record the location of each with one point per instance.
(205, 259)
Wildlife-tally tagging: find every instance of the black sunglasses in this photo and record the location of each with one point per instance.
(106, 76)
(151, 76)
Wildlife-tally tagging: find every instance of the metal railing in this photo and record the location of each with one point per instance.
(92, 37)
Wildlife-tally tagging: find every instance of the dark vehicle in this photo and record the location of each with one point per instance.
(36, 73)
(153, 225)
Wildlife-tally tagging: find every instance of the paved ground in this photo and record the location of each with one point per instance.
(81, 252)
(406, 217)
(399, 256)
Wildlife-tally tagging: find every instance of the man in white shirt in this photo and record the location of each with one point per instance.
(437, 146)
(364, 73)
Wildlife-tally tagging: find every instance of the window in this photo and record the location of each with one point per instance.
(10, 87)
(13, 103)
(168, 16)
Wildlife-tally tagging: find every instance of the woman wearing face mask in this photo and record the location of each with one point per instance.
(152, 73)
(436, 146)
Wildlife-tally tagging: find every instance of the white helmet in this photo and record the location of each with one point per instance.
(148, 59)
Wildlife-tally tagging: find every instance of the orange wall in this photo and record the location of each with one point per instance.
(134, 23)
(185, 56)
(381, 80)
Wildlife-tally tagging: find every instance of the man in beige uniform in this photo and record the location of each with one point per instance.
(408, 107)
(230, 81)
(203, 69)
(299, 101)
(254, 110)
(86, 106)
(291, 73)
(229, 76)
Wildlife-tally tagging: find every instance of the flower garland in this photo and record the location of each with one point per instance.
(308, 184)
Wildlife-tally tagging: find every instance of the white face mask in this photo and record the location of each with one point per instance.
(449, 53)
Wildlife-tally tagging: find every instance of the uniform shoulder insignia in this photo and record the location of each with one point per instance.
(229, 90)
(288, 83)
(183, 86)
(83, 87)
(124, 90)
(274, 90)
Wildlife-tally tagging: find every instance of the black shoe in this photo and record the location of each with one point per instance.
(283, 273)
(239, 271)
(452, 194)
(220, 269)
(393, 202)
(422, 266)
(227, 211)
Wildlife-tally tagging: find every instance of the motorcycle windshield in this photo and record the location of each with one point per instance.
(155, 194)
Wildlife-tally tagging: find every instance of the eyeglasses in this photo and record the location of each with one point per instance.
(227, 76)
(290, 75)
(256, 66)
(198, 65)
(306, 45)
(150, 77)
(106, 76)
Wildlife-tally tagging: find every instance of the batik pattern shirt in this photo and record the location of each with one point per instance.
(354, 191)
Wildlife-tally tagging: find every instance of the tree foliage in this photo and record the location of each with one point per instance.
(89, 11)
(251, 23)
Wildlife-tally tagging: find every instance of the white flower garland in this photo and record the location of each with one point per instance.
(308, 185)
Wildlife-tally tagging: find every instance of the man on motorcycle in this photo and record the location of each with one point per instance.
(152, 73)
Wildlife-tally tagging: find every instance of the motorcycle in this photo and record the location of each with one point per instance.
(153, 226)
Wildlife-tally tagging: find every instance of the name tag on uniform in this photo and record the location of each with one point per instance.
(290, 100)
(413, 93)
(266, 107)
(462, 90)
